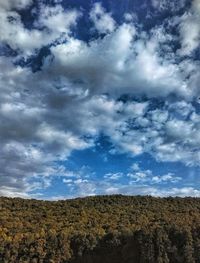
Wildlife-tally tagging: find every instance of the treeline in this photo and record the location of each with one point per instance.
(101, 229)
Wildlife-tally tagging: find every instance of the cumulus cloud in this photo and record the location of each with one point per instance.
(163, 5)
(138, 175)
(124, 65)
(113, 176)
(12, 4)
(54, 24)
(112, 185)
(188, 23)
(190, 30)
(103, 21)
(139, 181)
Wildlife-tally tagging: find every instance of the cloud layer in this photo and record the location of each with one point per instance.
(138, 87)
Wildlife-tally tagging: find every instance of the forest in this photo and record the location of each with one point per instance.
(108, 229)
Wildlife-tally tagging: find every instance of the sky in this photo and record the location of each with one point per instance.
(99, 97)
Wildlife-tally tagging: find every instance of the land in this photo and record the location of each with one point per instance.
(108, 229)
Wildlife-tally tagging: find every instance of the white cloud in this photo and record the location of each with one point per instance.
(56, 24)
(12, 4)
(112, 190)
(157, 192)
(130, 17)
(103, 21)
(166, 178)
(135, 167)
(163, 5)
(13, 192)
(182, 192)
(57, 19)
(124, 65)
(138, 175)
(113, 176)
(144, 190)
(190, 30)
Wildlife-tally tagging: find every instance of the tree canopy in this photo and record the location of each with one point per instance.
(109, 229)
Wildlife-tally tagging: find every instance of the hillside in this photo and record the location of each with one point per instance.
(109, 229)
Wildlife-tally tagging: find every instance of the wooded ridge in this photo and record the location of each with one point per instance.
(108, 229)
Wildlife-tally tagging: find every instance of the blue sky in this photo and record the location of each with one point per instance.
(99, 97)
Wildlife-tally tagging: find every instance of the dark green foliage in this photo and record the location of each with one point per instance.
(108, 229)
